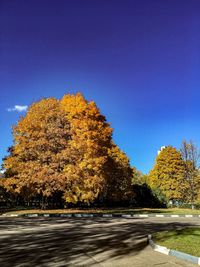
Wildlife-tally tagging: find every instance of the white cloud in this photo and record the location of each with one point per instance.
(18, 108)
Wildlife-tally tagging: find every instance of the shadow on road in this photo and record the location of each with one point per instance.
(61, 242)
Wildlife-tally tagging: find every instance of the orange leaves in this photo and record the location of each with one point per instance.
(40, 148)
(119, 175)
(168, 173)
(66, 146)
(89, 144)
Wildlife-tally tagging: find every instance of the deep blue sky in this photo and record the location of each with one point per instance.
(139, 60)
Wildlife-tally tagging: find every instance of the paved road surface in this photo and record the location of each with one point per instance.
(106, 242)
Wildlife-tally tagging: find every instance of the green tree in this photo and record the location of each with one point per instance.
(167, 175)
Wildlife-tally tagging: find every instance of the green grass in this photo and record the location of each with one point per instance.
(108, 211)
(185, 240)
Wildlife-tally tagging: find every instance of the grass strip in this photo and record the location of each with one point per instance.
(185, 240)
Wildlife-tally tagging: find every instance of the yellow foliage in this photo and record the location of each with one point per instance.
(66, 146)
(168, 174)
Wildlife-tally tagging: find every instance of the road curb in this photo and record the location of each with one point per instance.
(171, 252)
(104, 215)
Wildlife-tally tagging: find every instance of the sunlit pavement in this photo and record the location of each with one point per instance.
(59, 242)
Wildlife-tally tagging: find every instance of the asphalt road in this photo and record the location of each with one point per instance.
(61, 242)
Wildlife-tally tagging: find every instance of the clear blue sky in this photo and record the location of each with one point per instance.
(139, 60)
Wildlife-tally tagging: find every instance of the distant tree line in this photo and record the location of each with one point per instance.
(64, 155)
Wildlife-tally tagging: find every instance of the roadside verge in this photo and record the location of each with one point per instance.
(171, 252)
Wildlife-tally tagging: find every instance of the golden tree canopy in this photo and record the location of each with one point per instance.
(168, 174)
(65, 146)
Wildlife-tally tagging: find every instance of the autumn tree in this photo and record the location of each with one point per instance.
(191, 158)
(118, 175)
(65, 147)
(90, 140)
(138, 177)
(40, 151)
(4, 195)
(167, 174)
